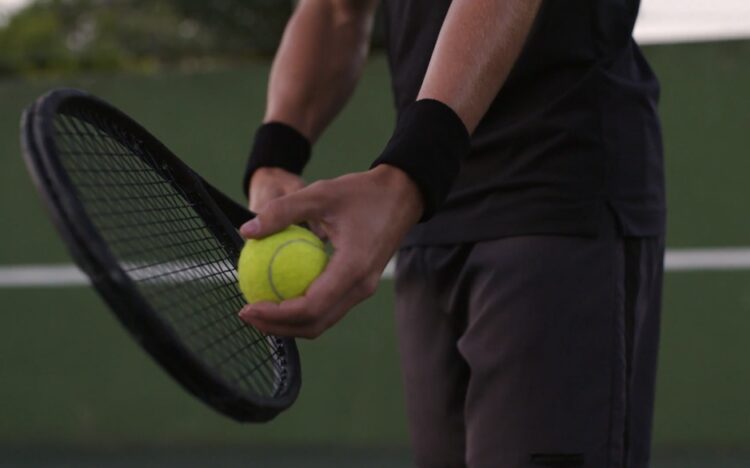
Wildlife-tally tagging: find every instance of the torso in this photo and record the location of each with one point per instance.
(573, 132)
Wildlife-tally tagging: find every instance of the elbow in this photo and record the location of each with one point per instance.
(355, 16)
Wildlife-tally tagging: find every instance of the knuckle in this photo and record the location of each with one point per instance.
(313, 190)
(276, 214)
(319, 191)
(315, 186)
(271, 209)
(367, 285)
(316, 332)
(307, 316)
(371, 285)
(312, 332)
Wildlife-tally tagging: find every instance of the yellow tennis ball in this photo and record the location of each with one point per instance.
(280, 266)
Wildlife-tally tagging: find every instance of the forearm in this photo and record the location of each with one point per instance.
(318, 63)
(478, 44)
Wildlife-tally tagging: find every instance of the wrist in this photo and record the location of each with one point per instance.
(428, 144)
(395, 181)
(264, 173)
(277, 145)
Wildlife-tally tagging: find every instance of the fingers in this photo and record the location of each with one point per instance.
(295, 319)
(258, 315)
(365, 216)
(282, 212)
(317, 228)
(258, 198)
(342, 285)
(269, 183)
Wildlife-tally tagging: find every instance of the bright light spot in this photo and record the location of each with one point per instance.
(8, 7)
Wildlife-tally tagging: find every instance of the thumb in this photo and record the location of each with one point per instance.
(281, 212)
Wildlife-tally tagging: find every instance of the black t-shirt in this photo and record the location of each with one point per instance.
(573, 132)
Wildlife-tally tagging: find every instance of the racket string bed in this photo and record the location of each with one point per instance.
(168, 251)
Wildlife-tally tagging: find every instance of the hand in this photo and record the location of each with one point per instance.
(268, 183)
(365, 215)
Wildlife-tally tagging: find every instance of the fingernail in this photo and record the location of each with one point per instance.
(245, 312)
(250, 228)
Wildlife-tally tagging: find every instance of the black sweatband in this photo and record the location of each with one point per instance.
(428, 144)
(277, 145)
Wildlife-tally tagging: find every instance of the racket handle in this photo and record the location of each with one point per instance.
(237, 214)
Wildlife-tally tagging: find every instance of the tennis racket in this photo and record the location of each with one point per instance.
(160, 246)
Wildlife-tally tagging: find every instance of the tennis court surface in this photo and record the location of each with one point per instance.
(310, 458)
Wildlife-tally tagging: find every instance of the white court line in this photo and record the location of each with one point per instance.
(673, 21)
(676, 260)
(49, 276)
(715, 259)
(670, 21)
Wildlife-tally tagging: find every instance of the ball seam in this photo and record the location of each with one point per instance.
(273, 258)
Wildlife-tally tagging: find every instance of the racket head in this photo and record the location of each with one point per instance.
(101, 174)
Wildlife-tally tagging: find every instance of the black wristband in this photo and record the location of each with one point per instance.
(428, 144)
(277, 145)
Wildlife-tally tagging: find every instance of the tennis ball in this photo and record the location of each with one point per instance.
(280, 266)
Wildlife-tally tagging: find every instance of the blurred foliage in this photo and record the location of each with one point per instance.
(67, 36)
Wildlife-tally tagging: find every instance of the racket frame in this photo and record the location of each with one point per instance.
(91, 253)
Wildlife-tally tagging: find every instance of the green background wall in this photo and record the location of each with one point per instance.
(69, 376)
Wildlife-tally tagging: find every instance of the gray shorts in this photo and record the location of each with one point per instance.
(530, 351)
